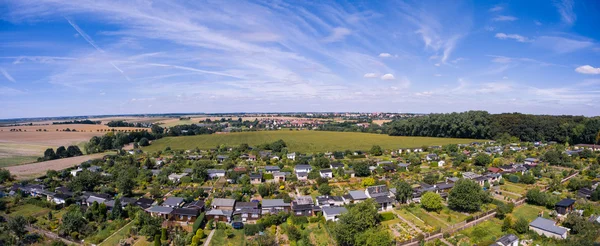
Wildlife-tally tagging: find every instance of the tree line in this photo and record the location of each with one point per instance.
(483, 125)
(120, 123)
(89, 122)
(61, 152)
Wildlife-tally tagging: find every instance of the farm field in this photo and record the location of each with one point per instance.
(17, 148)
(302, 141)
(198, 118)
(40, 168)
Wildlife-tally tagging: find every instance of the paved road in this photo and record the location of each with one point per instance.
(209, 237)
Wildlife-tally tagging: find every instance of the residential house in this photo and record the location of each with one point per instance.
(99, 198)
(144, 203)
(470, 175)
(335, 165)
(548, 228)
(60, 198)
(291, 156)
(329, 201)
(215, 173)
(303, 168)
(332, 213)
(221, 158)
(188, 215)
(223, 204)
(494, 170)
(219, 215)
(355, 196)
(431, 157)
(441, 163)
(531, 161)
(564, 206)
(160, 211)
(248, 211)
(302, 176)
(197, 204)
(272, 169)
(273, 206)
(303, 206)
(326, 173)
(256, 178)
(280, 176)
(584, 193)
(176, 177)
(173, 202)
(380, 163)
(507, 240)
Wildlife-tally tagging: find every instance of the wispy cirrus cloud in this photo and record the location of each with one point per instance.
(565, 9)
(516, 37)
(505, 18)
(7, 75)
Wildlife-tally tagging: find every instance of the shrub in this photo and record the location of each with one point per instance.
(198, 223)
(251, 230)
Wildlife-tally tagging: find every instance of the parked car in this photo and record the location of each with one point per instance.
(237, 225)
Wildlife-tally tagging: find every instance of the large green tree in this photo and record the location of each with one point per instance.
(432, 201)
(403, 192)
(467, 196)
(359, 218)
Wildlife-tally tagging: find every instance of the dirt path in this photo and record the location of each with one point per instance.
(34, 170)
(115, 233)
(209, 237)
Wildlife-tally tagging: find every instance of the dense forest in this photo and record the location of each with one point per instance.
(482, 125)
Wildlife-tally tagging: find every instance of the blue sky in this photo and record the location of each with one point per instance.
(117, 57)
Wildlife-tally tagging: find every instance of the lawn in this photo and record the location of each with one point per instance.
(387, 216)
(219, 238)
(302, 141)
(29, 210)
(514, 188)
(429, 219)
(121, 234)
(319, 235)
(485, 233)
(529, 212)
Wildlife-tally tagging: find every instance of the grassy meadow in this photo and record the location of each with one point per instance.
(302, 141)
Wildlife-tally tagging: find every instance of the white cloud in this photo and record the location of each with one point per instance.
(388, 76)
(537, 23)
(385, 55)
(565, 9)
(338, 34)
(587, 69)
(437, 75)
(370, 75)
(512, 36)
(7, 75)
(496, 8)
(505, 18)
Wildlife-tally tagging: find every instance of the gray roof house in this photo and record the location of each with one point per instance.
(223, 203)
(548, 228)
(332, 213)
(173, 202)
(507, 240)
(357, 195)
(274, 206)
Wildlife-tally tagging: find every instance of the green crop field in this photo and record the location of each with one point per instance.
(302, 141)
